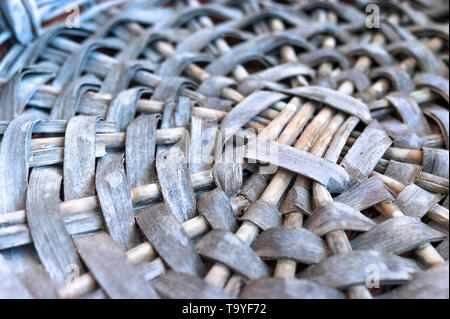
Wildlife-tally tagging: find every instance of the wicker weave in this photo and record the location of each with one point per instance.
(129, 166)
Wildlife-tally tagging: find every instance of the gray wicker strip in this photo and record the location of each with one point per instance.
(224, 149)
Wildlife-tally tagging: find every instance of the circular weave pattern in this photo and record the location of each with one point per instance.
(224, 149)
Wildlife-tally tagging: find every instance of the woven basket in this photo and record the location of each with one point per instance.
(224, 149)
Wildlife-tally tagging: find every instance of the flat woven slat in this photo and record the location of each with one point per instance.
(223, 149)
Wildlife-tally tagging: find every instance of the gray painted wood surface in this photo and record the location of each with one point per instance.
(140, 146)
(10, 285)
(405, 173)
(430, 284)
(111, 268)
(262, 214)
(175, 183)
(345, 270)
(415, 201)
(79, 157)
(397, 235)
(366, 194)
(115, 200)
(216, 208)
(337, 216)
(281, 288)
(297, 199)
(366, 152)
(176, 285)
(253, 187)
(50, 236)
(245, 110)
(292, 243)
(233, 253)
(337, 100)
(436, 161)
(167, 236)
(228, 177)
(330, 175)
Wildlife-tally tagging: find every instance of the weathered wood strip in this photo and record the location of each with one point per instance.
(215, 85)
(198, 40)
(401, 134)
(10, 286)
(79, 157)
(233, 253)
(426, 60)
(270, 77)
(340, 138)
(140, 146)
(254, 49)
(292, 243)
(366, 194)
(337, 100)
(177, 112)
(50, 236)
(14, 169)
(441, 116)
(115, 140)
(38, 283)
(442, 248)
(297, 199)
(337, 216)
(345, 270)
(414, 201)
(399, 79)
(410, 113)
(330, 175)
(286, 288)
(434, 82)
(16, 93)
(228, 176)
(76, 224)
(373, 50)
(59, 126)
(175, 65)
(201, 147)
(75, 213)
(366, 152)
(430, 284)
(152, 270)
(55, 155)
(115, 200)
(262, 214)
(360, 81)
(168, 238)
(112, 269)
(405, 173)
(216, 208)
(253, 187)
(123, 108)
(175, 183)
(176, 285)
(436, 161)
(316, 57)
(397, 235)
(284, 71)
(66, 104)
(14, 165)
(445, 203)
(244, 111)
